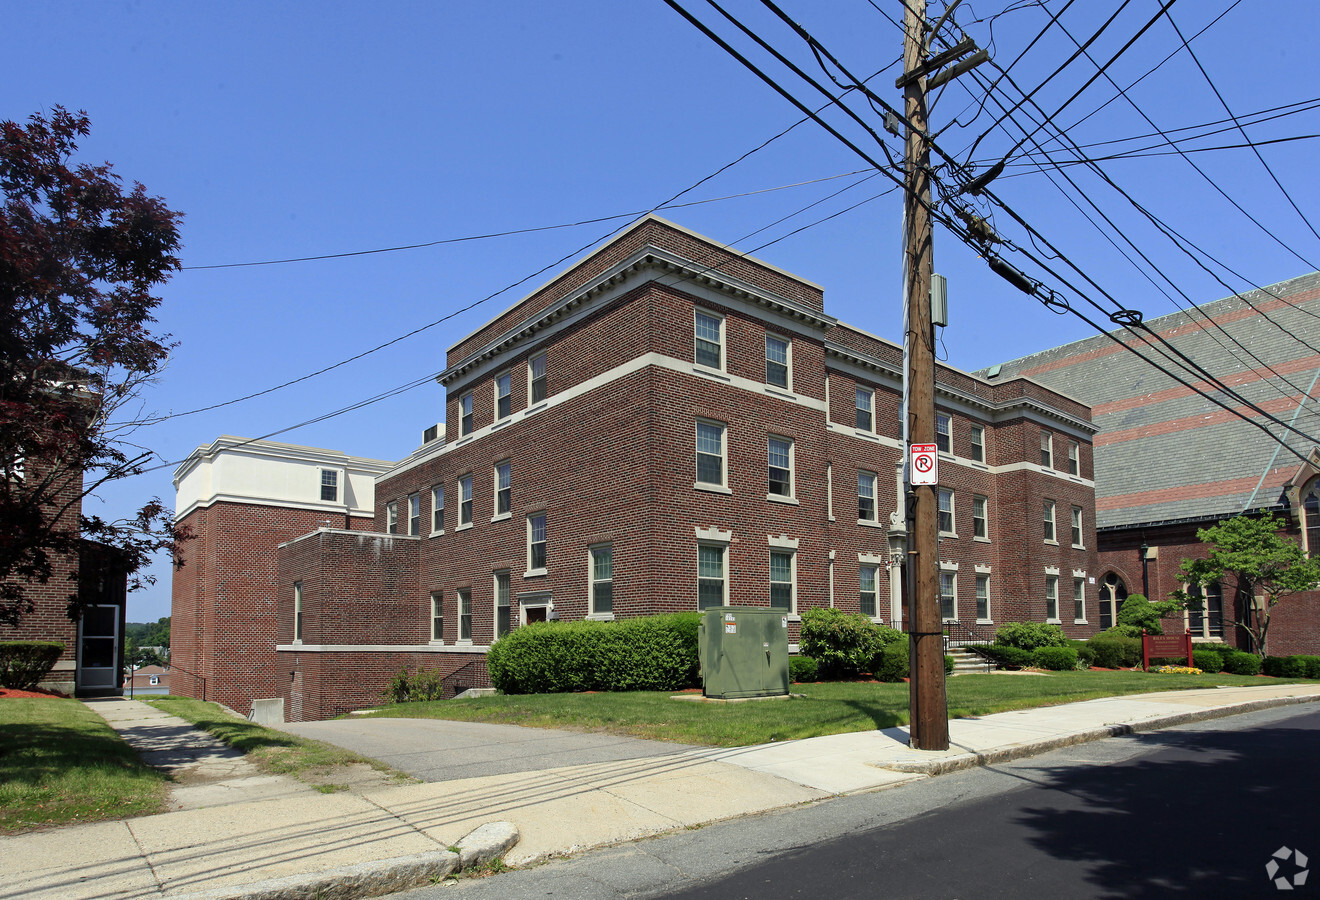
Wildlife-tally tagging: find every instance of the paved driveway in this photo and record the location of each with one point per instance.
(439, 750)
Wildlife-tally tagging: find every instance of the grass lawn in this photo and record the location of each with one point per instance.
(273, 751)
(827, 708)
(60, 764)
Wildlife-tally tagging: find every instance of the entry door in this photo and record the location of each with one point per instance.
(98, 638)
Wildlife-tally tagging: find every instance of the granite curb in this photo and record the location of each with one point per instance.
(1032, 748)
(372, 879)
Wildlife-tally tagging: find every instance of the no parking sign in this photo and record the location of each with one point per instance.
(924, 464)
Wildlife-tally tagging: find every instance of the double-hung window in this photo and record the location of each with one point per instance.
(536, 391)
(709, 339)
(1074, 459)
(392, 517)
(710, 453)
(465, 500)
(865, 409)
(503, 395)
(536, 543)
(502, 607)
(866, 510)
(329, 485)
(1205, 613)
(297, 612)
(465, 414)
(943, 433)
(949, 596)
(602, 579)
(1079, 599)
(1048, 509)
(781, 467)
(710, 575)
(776, 361)
(1047, 450)
(980, 517)
(867, 582)
(1077, 526)
(414, 513)
(437, 509)
(437, 616)
(946, 511)
(503, 488)
(781, 580)
(978, 443)
(983, 598)
(1052, 598)
(465, 614)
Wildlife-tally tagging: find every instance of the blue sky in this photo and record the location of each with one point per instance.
(304, 129)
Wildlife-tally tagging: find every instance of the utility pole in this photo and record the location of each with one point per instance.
(929, 706)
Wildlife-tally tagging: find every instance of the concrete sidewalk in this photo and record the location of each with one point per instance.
(355, 846)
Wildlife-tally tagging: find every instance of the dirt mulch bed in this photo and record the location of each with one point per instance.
(41, 695)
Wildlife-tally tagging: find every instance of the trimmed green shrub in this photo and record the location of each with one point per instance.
(1055, 659)
(1085, 655)
(1239, 663)
(888, 635)
(1030, 635)
(891, 663)
(842, 644)
(1008, 657)
(24, 663)
(1113, 650)
(1208, 661)
(1311, 666)
(1284, 666)
(653, 653)
(948, 664)
(802, 669)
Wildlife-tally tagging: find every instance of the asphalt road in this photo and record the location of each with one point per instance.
(1196, 811)
(440, 750)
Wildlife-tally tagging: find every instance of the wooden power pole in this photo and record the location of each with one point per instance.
(929, 706)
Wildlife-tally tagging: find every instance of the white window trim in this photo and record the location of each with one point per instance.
(531, 572)
(723, 547)
(875, 567)
(392, 517)
(1047, 447)
(788, 364)
(508, 373)
(723, 485)
(591, 582)
(297, 612)
(458, 617)
(415, 499)
(792, 578)
(495, 493)
(870, 392)
(875, 500)
(466, 398)
(1074, 459)
(986, 501)
(472, 514)
(983, 572)
(978, 429)
(951, 571)
(953, 512)
(791, 496)
(948, 419)
(437, 602)
(1076, 512)
(1079, 580)
(495, 602)
(333, 473)
(724, 351)
(1052, 578)
(441, 488)
(536, 404)
(1053, 520)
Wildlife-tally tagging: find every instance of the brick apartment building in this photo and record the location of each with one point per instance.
(666, 425)
(1168, 461)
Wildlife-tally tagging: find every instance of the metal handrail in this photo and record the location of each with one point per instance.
(956, 634)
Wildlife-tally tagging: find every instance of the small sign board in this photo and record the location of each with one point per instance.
(1166, 646)
(924, 464)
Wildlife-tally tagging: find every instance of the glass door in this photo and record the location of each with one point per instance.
(98, 639)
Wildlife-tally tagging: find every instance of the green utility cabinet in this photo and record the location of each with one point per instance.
(743, 652)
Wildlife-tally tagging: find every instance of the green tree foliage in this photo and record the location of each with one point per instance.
(1249, 558)
(1138, 613)
(79, 259)
(150, 634)
(842, 644)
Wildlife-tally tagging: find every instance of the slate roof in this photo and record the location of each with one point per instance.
(1166, 454)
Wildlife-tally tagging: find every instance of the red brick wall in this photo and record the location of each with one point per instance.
(223, 603)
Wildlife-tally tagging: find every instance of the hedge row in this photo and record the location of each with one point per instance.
(24, 663)
(1291, 666)
(654, 653)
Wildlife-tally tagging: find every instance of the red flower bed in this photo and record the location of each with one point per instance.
(48, 695)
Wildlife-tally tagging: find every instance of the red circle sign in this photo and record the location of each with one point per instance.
(923, 463)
